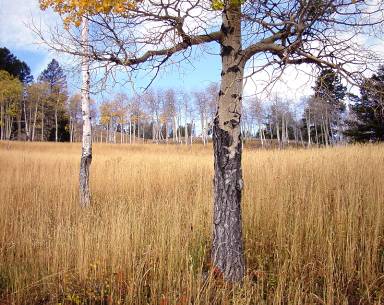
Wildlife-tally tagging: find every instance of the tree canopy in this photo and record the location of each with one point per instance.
(14, 66)
(367, 111)
(73, 10)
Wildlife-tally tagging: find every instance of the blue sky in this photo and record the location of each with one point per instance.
(16, 17)
(201, 73)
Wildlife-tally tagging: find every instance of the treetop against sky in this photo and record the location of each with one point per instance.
(73, 10)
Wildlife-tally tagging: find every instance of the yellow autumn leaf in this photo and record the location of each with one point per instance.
(73, 10)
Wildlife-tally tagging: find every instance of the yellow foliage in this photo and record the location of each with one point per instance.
(11, 87)
(219, 4)
(73, 10)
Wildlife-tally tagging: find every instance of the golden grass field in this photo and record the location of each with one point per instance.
(313, 226)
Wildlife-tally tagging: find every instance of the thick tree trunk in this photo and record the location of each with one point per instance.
(227, 244)
(86, 152)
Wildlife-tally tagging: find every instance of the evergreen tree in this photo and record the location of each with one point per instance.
(57, 81)
(323, 114)
(14, 66)
(54, 76)
(366, 121)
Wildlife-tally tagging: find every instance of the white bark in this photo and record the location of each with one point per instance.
(86, 155)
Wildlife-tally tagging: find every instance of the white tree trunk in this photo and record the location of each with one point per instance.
(86, 154)
(56, 123)
(42, 122)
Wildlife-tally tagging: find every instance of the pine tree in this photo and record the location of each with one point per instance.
(366, 121)
(325, 109)
(14, 66)
(55, 77)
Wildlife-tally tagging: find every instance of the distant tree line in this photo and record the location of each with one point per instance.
(43, 110)
(32, 110)
(330, 116)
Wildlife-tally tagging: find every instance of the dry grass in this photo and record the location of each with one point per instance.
(313, 225)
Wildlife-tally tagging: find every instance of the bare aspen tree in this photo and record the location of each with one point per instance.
(255, 34)
(86, 149)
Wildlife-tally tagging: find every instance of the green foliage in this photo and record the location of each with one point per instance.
(367, 112)
(329, 88)
(11, 87)
(220, 4)
(14, 66)
(55, 82)
(55, 77)
(217, 4)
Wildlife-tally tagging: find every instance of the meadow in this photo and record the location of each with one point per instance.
(313, 223)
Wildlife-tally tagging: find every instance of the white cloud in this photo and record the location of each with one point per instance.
(293, 83)
(15, 18)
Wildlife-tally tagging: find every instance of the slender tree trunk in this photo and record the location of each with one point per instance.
(9, 123)
(34, 120)
(282, 131)
(56, 125)
(309, 129)
(328, 129)
(227, 245)
(86, 153)
(179, 130)
(130, 132)
(134, 132)
(278, 132)
(192, 130)
(19, 118)
(286, 132)
(138, 132)
(42, 122)
(261, 136)
(121, 134)
(70, 130)
(186, 132)
(166, 132)
(202, 129)
(2, 123)
(301, 138)
(26, 125)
